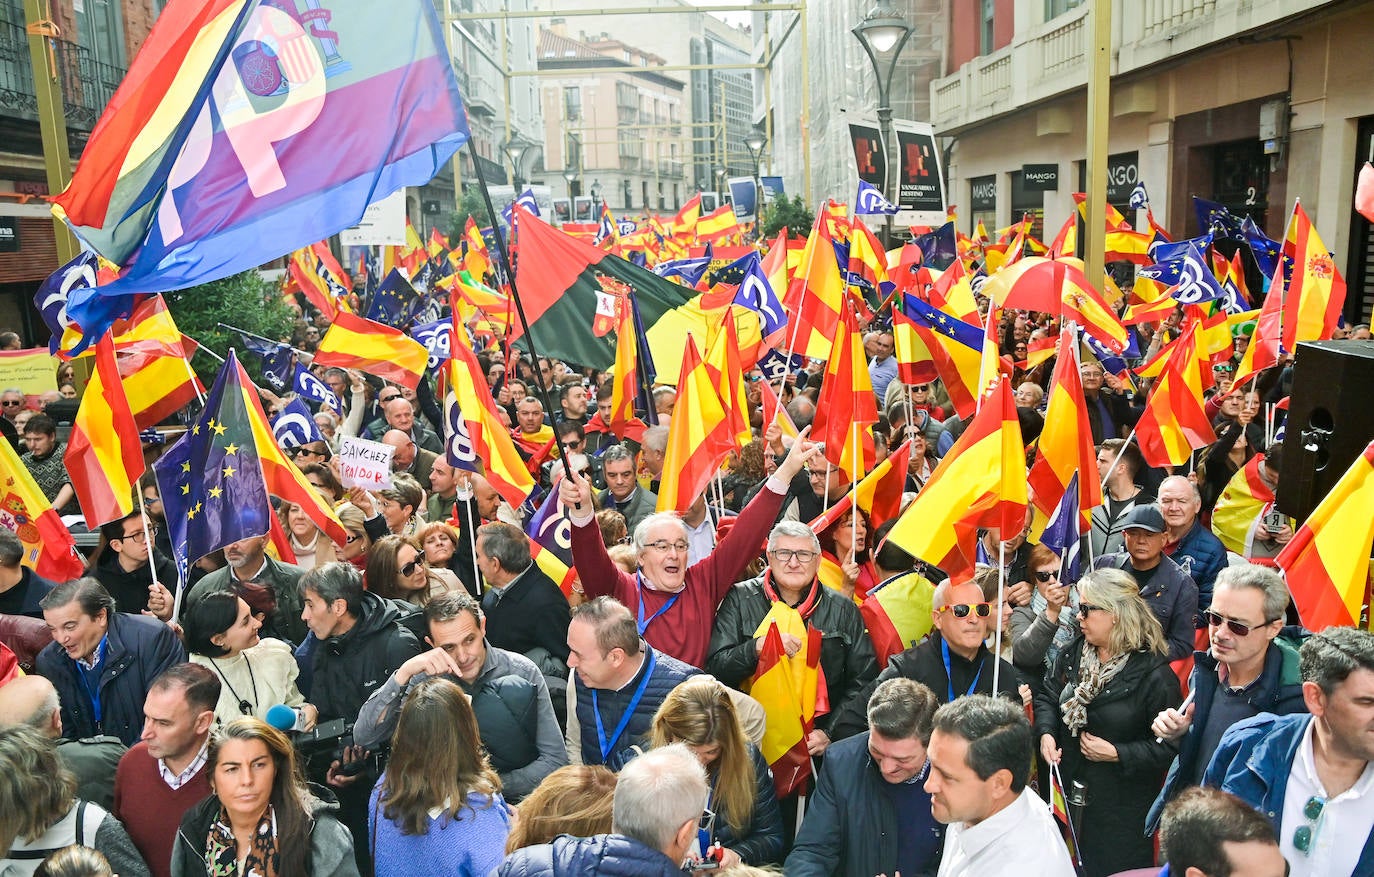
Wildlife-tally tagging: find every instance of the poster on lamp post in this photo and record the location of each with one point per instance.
(870, 159)
(920, 183)
(744, 197)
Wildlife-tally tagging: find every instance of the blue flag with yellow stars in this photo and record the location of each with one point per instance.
(395, 302)
(211, 480)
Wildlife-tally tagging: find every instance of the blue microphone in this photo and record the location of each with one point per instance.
(282, 717)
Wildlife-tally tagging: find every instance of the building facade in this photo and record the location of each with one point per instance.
(1250, 104)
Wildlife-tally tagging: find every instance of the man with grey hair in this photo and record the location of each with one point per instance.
(249, 569)
(525, 609)
(846, 652)
(675, 602)
(33, 701)
(870, 814)
(623, 492)
(660, 799)
(651, 454)
(1189, 544)
(20, 587)
(1312, 774)
(1250, 668)
(980, 759)
(11, 402)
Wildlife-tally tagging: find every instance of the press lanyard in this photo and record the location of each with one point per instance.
(639, 616)
(628, 714)
(949, 674)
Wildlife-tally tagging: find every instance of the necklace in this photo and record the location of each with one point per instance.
(244, 706)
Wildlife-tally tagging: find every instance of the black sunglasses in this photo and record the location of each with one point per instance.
(1236, 627)
(1046, 576)
(409, 568)
(1085, 608)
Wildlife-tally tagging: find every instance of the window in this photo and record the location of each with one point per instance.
(985, 29)
(1056, 8)
(572, 103)
(101, 27)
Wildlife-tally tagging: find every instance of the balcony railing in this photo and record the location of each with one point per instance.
(87, 84)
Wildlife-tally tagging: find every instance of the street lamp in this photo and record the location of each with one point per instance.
(570, 174)
(720, 182)
(596, 200)
(754, 141)
(883, 33)
(515, 149)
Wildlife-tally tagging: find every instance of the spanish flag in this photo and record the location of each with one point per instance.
(790, 691)
(1066, 442)
(700, 435)
(357, 342)
(878, 494)
(624, 379)
(104, 458)
(717, 224)
(981, 482)
(48, 546)
(476, 261)
(846, 408)
(898, 615)
(815, 296)
(1240, 510)
(1316, 289)
(1327, 561)
(154, 363)
(505, 468)
(1174, 423)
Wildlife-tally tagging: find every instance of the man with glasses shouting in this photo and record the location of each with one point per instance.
(674, 603)
(952, 661)
(1312, 775)
(847, 663)
(1249, 669)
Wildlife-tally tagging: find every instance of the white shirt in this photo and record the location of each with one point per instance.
(1338, 835)
(701, 539)
(998, 846)
(176, 781)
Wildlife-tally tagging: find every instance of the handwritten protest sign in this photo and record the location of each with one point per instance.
(364, 464)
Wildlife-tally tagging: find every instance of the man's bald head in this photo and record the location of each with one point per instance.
(404, 454)
(487, 499)
(32, 701)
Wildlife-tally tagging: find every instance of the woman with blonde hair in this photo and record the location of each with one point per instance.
(311, 547)
(575, 800)
(438, 808)
(1093, 717)
(748, 825)
(440, 540)
(260, 817)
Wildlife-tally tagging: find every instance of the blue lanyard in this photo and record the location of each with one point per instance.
(639, 616)
(628, 714)
(949, 675)
(97, 670)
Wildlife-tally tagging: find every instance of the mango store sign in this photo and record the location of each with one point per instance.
(365, 464)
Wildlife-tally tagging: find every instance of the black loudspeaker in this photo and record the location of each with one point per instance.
(1330, 421)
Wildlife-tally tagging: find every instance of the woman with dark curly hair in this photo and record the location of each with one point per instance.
(846, 565)
(261, 818)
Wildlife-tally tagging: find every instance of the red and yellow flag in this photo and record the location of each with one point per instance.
(1174, 423)
(790, 691)
(104, 458)
(357, 342)
(1316, 290)
(1066, 442)
(846, 408)
(815, 296)
(981, 482)
(1327, 561)
(879, 493)
(898, 614)
(717, 224)
(700, 435)
(492, 444)
(154, 363)
(476, 261)
(624, 380)
(48, 546)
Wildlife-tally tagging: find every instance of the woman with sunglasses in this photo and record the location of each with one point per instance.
(1093, 717)
(440, 540)
(1042, 629)
(356, 542)
(748, 824)
(396, 570)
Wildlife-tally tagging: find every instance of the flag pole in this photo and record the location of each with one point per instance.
(854, 512)
(504, 254)
(472, 537)
(1001, 590)
(295, 350)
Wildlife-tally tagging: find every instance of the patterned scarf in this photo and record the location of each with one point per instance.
(1093, 675)
(221, 850)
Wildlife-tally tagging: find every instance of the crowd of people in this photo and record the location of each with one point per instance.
(426, 698)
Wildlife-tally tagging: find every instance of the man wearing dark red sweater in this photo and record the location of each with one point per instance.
(164, 774)
(675, 604)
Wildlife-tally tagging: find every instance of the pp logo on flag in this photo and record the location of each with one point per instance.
(458, 447)
(559, 528)
(1192, 287)
(293, 429)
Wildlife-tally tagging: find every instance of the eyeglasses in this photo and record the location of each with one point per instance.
(1085, 608)
(663, 546)
(961, 610)
(1305, 834)
(353, 537)
(408, 569)
(1047, 576)
(12, 403)
(787, 555)
(1236, 627)
(385, 399)
(919, 389)
(138, 537)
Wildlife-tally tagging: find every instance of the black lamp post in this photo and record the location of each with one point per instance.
(515, 149)
(755, 141)
(596, 200)
(883, 32)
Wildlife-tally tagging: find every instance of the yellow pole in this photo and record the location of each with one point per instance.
(52, 118)
(1099, 118)
(457, 155)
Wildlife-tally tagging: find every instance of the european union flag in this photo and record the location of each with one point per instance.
(938, 248)
(1265, 251)
(211, 480)
(395, 301)
(938, 321)
(1216, 218)
(1062, 534)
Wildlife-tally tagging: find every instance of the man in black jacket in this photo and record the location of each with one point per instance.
(126, 567)
(1170, 592)
(847, 662)
(361, 642)
(101, 661)
(871, 813)
(951, 662)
